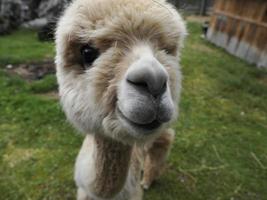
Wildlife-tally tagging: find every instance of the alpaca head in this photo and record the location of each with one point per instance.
(117, 66)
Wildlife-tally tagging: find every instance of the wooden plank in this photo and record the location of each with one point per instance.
(261, 39)
(213, 28)
(254, 53)
(263, 13)
(244, 44)
(216, 4)
(235, 39)
(262, 62)
(237, 17)
(220, 4)
(231, 26)
(263, 59)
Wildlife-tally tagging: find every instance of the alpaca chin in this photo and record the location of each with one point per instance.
(118, 131)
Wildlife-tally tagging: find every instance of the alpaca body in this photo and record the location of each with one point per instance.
(120, 181)
(106, 169)
(119, 84)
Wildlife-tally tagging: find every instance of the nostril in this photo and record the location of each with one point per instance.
(162, 89)
(154, 86)
(157, 89)
(164, 86)
(142, 84)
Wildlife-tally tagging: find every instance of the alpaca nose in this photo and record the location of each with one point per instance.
(147, 73)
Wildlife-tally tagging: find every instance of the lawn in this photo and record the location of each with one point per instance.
(220, 151)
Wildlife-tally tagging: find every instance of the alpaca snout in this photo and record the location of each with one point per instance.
(149, 75)
(139, 108)
(144, 97)
(146, 112)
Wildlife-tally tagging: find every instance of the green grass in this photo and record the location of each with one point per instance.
(23, 46)
(48, 83)
(220, 151)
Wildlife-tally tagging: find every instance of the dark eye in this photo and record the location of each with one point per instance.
(89, 55)
(171, 50)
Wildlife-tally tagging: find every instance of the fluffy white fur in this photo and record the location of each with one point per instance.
(137, 38)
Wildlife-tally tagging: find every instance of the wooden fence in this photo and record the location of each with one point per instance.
(199, 7)
(240, 26)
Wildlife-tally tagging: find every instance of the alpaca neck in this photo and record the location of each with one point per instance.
(111, 166)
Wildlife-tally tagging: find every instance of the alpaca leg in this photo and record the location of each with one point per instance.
(81, 195)
(84, 168)
(137, 194)
(155, 157)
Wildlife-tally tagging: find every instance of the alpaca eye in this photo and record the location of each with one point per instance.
(89, 55)
(171, 50)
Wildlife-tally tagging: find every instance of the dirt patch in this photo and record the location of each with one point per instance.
(32, 71)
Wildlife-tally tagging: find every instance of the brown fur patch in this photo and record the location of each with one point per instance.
(155, 158)
(112, 165)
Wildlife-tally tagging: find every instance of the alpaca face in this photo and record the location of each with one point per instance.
(117, 66)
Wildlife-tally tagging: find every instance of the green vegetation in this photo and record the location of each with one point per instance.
(22, 46)
(48, 83)
(220, 150)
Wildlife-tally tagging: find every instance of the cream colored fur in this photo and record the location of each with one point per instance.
(131, 35)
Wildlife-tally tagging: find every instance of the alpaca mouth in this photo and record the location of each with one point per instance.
(147, 127)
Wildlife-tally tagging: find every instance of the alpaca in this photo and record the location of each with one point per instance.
(119, 83)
